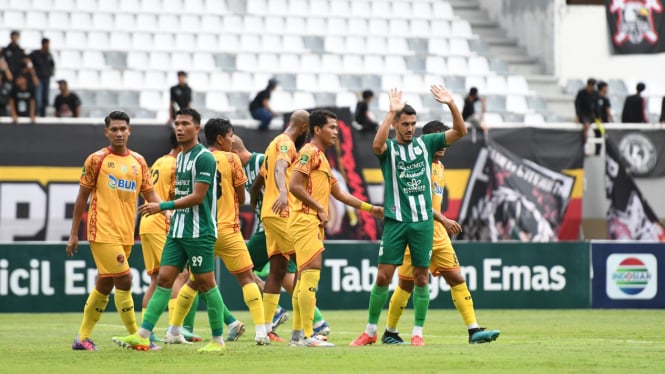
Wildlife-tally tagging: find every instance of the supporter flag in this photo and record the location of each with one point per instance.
(629, 215)
(636, 26)
(510, 198)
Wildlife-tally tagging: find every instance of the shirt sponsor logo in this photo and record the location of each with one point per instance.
(121, 184)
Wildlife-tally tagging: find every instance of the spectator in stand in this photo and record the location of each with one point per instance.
(259, 108)
(5, 91)
(469, 111)
(635, 107)
(42, 60)
(28, 71)
(13, 53)
(586, 106)
(6, 74)
(604, 107)
(363, 115)
(67, 103)
(181, 96)
(22, 100)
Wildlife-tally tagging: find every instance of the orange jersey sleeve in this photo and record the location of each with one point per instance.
(314, 164)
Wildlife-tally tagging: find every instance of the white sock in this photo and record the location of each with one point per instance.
(391, 330)
(260, 331)
(145, 334)
(473, 326)
(268, 327)
(175, 330)
(371, 329)
(218, 339)
(233, 324)
(417, 331)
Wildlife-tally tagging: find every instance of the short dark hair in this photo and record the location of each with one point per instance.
(408, 110)
(173, 140)
(591, 82)
(319, 117)
(196, 116)
(215, 127)
(367, 94)
(181, 73)
(14, 33)
(641, 87)
(45, 40)
(601, 85)
(116, 115)
(473, 91)
(435, 126)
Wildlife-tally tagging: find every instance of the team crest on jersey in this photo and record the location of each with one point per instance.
(283, 148)
(135, 170)
(123, 169)
(120, 259)
(303, 159)
(635, 20)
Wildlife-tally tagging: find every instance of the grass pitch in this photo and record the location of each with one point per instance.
(570, 341)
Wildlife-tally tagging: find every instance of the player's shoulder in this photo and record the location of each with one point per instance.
(137, 156)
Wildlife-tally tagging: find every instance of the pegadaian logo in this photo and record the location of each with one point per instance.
(632, 276)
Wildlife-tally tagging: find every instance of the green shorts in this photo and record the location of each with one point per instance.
(258, 251)
(198, 252)
(397, 235)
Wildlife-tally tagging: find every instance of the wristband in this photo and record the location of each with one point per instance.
(167, 205)
(367, 207)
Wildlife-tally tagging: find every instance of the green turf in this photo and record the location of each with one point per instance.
(568, 341)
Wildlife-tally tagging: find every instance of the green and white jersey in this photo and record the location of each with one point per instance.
(197, 165)
(252, 170)
(407, 174)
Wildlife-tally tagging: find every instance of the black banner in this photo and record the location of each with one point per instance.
(629, 216)
(643, 152)
(510, 198)
(636, 26)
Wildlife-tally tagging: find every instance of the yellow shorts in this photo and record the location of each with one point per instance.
(153, 246)
(278, 240)
(231, 248)
(443, 259)
(111, 259)
(307, 237)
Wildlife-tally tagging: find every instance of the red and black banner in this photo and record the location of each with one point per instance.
(636, 26)
(629, 217)
(511, 198)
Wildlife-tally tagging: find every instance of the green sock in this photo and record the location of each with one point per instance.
(191, 316)
(228, 317)
(215, 305)
(155, 308)
(420, 304)
(377, 300)
(318, 317)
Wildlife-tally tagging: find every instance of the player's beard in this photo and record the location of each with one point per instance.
(300, 141)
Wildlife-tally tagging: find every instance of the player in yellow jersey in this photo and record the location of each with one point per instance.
(279, 156)
(230, 245)
(443, 264)
(114, 176)
(311, 185)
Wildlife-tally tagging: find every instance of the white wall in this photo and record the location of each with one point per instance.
(583, 49)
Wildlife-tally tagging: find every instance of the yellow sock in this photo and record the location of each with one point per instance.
(398, 302)
(270, 301)
(309, 282)
(94, 307)
(295, 315)
(464, 303)
(252, 296)
(182, 305)
(124, 303)
(171, 309)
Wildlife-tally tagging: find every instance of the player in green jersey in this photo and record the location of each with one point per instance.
(406, 167)
(191, 238)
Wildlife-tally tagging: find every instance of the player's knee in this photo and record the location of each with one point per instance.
(123, 282)
(453, 278)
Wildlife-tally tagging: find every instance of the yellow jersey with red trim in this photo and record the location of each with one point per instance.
(116, 181)
(162, 174)
(438, 182)
(230, 175)
(320, 180)
(281, 148)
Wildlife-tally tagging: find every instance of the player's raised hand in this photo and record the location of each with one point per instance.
(395, 98)
(72, 245)
(441, 94)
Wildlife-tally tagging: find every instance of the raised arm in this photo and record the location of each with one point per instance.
(459, 128)
(396, 105)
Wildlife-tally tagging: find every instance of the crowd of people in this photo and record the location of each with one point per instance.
(290, 191)
(25, 81)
